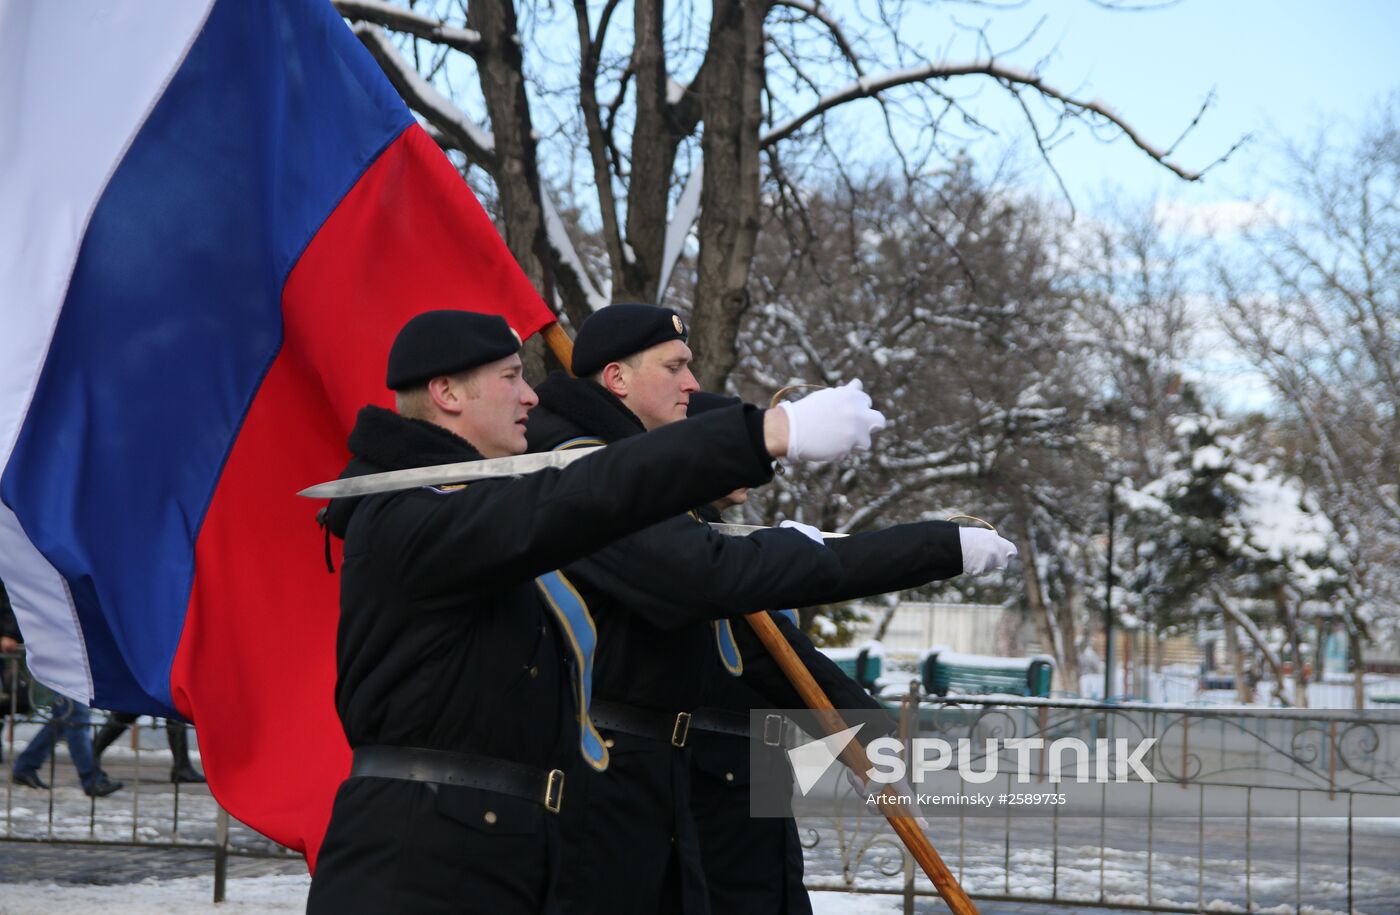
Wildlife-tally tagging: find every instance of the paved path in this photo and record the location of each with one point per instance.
(41, 862)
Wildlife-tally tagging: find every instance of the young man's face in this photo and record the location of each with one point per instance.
(497, 399)
(658, 389)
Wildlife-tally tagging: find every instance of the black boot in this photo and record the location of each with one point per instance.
(106, 736)
(180, 770)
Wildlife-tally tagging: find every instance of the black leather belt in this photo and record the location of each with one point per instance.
(670, 727)
(466, 770)
(720, 721)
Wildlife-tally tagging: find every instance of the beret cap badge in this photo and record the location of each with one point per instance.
(618, 331)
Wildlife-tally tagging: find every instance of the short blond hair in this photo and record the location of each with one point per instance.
(417, 403)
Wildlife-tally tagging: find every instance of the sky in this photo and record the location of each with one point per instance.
(1280, 70)
(1277, 67)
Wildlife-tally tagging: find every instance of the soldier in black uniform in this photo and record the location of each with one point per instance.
(630, 837)
(463, 661)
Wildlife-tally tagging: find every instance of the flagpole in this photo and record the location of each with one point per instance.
(557, 339)
(904, 823)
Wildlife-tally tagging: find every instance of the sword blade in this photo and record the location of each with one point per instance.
(743, 530)
(438, 474)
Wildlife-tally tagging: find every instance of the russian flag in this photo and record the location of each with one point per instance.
(214, 216)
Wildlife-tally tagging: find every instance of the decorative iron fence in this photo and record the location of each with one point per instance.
(1252, 810)
(151, 810)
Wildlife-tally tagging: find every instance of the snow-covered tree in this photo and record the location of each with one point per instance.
(1222, 533)
(1316, 307)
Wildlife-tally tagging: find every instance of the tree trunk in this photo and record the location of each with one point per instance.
(891, 602)
(729, 197)
(1243, 690)
(1295, 643)
(1358, 668)
(655, 139)
(1041, 611)
(500, 68)
(1257, 637)
(1069, 640)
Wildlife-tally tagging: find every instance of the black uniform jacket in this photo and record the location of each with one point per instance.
(753, 865)
(652, 595)
(445, 643)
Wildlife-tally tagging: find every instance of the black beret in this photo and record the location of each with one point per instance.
(705, 401)
(444, 343)
(619, 331)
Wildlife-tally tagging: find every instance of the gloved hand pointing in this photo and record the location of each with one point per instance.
(831, 423)
(984, 550)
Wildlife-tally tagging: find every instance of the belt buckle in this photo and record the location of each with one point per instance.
(680, 731)
(773, 730)
(554, 790)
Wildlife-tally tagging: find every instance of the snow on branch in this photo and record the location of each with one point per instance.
(400, 19)
(922, 462)
(420, 95)
(451, 128)
(568, 256)
(1010, 77)
(871, 510)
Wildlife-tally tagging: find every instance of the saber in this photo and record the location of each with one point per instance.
(439, 474)
(743, 530)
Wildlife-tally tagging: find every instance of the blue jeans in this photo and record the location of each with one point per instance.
(72, 718)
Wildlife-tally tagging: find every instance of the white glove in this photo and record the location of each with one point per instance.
(984, 550)
(811, 533)
(831, 423)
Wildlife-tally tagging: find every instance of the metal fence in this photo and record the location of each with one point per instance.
(1254, 810)
(1303, 838)
(149, 811)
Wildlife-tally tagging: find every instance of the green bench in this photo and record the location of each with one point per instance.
(860, 665)
(945, 672)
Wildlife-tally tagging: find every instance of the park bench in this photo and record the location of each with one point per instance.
(945, 672)
(860, 664)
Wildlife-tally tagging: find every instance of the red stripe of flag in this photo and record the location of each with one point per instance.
(255, 669)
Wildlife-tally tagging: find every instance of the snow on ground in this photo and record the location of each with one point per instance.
(189, 896)
(282, 893)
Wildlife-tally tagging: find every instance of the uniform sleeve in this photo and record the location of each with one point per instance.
(896, 558)
(498, 532)
(681, 571)
(762, 673)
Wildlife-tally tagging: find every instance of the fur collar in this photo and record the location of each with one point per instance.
(384, 440)
(589, 406)
(392, 442)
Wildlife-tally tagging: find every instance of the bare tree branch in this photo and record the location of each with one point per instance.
(462, 132)
(599, 141)
(400, 19)
(814, 9)
(1009, 76)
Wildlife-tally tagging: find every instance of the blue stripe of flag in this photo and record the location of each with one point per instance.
(173, 318)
